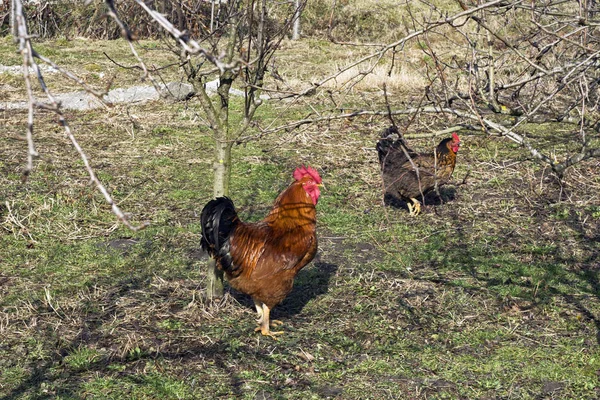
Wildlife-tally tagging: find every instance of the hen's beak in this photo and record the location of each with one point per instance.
(321, 186)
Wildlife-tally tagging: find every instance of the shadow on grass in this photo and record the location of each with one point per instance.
(447, 194)
(56, 376)
(539, 266)
(41, 373)
(310, 283)
(219, 353)
(590, 271)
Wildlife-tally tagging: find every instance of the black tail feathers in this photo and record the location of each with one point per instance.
(390, 133)
(218, 220)
(390, 140)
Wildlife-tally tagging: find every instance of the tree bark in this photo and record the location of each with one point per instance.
(222, 175)
(14, 29)
(222, 163)
(296, 30)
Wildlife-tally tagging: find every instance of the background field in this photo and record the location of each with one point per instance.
(493, 292)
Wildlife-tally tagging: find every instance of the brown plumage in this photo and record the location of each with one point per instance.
(261, 259)
(399, 173)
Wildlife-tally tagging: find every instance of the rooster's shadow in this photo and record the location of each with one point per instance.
(311, 282)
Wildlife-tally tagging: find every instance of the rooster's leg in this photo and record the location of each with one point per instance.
(264, 324)
(415, 207)
(259, 311)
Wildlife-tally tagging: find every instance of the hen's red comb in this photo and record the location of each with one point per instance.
(302, 171)
(455, 137)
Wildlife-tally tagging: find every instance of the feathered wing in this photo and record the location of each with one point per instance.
(400, 164)
(395, 160)
(274, 256)
(389, 144)
(285, 240)
(247, 247)
(257, 250)
(393, 151)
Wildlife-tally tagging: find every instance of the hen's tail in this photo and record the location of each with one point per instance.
(218, 220)
(390, 140)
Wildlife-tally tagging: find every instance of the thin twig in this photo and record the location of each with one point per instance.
(27, 51)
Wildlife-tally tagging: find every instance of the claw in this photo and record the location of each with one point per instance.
(415, 207)
(264, 322)
(268, 332)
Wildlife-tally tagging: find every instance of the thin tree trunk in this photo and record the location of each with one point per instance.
(214, 284)
(491, 72)
(222, 164)
(212, 16)
(14, 29)
(296, 30)
(222, 174)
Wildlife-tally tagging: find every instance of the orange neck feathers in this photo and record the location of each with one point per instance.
(293, 208)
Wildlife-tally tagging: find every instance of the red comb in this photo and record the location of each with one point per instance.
(455, 137)
(302, 171)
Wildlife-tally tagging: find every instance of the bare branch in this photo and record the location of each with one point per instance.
(126, 33)
(189, 45)
(399, 43)
(28, 53)
(74, 78)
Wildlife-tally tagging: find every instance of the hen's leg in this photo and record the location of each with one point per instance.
(264, 324)
(415, 207)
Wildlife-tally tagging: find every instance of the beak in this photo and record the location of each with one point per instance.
(321, 186)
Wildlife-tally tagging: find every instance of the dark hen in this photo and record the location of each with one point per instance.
(410, 175)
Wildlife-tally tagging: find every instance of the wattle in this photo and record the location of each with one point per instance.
(313, 192)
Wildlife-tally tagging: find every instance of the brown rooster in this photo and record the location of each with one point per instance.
(409, 175)
(261, 259)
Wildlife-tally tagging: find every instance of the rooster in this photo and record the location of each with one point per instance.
(410, 175)
(261, 259)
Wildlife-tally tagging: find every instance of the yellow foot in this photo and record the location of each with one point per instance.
(414, 208)
(268, 332)
(417, 209)
(276, 322)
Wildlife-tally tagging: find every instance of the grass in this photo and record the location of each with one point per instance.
(492, 293)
